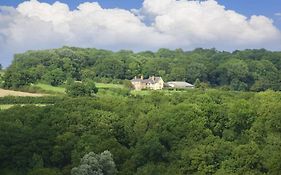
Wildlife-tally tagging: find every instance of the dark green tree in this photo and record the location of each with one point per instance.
(55, 77)
(197, 83)
(77, 89)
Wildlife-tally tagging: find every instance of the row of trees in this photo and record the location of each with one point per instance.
(189, 132)
(255, 70)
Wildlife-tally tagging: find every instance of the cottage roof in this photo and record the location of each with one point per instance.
(151, 80)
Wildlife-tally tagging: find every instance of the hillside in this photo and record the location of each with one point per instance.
(94, 118)
(248, 70)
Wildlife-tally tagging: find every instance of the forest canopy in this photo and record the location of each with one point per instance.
(187, 132)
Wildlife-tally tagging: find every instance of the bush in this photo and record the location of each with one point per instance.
(77, 89)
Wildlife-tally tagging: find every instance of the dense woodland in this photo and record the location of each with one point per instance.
(95, 131)
(187, 132)
(248, 70)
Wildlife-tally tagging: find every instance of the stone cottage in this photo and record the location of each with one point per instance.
(154, 83)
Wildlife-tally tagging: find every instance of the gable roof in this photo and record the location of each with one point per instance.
(151, 80)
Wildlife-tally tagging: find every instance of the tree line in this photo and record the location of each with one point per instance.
(248, 70)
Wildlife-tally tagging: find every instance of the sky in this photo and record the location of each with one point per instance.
(138, 25)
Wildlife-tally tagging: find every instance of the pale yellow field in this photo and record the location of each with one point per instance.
(4, 93)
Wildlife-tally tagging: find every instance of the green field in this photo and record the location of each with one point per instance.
(61, 90)
(49, 88)
(106, 86)
(109, 86)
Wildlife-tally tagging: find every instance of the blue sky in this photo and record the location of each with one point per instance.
(246, 7)
(256, 7)
(176, 24)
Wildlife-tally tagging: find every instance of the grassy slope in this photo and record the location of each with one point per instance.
(50, 88)
(47, 87)
(109, 86)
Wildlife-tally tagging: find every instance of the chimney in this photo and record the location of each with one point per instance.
(142, 77)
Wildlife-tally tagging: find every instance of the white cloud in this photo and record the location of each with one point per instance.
(277, 14)
(159, 23)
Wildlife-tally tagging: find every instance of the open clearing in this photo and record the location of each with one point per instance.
(61, 89)
(4, 93)
(50, 88)
(109, 85)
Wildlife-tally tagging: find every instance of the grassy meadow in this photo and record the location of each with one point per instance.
(109, 86)
(51, 89)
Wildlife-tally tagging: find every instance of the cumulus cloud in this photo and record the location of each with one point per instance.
(159, 23)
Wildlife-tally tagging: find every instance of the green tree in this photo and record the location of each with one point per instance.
(37, 161)
(14, 78)
(91, 87)
(110, 68)
(1, 80)
(55, 77)
(77, 89)
(177, 73)
(233, 70)
(88, 74)
(44, 171)
(195, 70)
(197, 83)
(96, 164)
(245, 159)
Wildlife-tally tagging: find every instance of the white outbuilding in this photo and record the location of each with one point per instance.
(179, 85)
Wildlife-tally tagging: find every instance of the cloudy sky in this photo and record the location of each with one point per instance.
(138, 25)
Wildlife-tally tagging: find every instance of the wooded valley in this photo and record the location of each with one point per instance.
(82, 125)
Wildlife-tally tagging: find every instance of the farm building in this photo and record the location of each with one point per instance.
(179, 85)
(154, 83)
